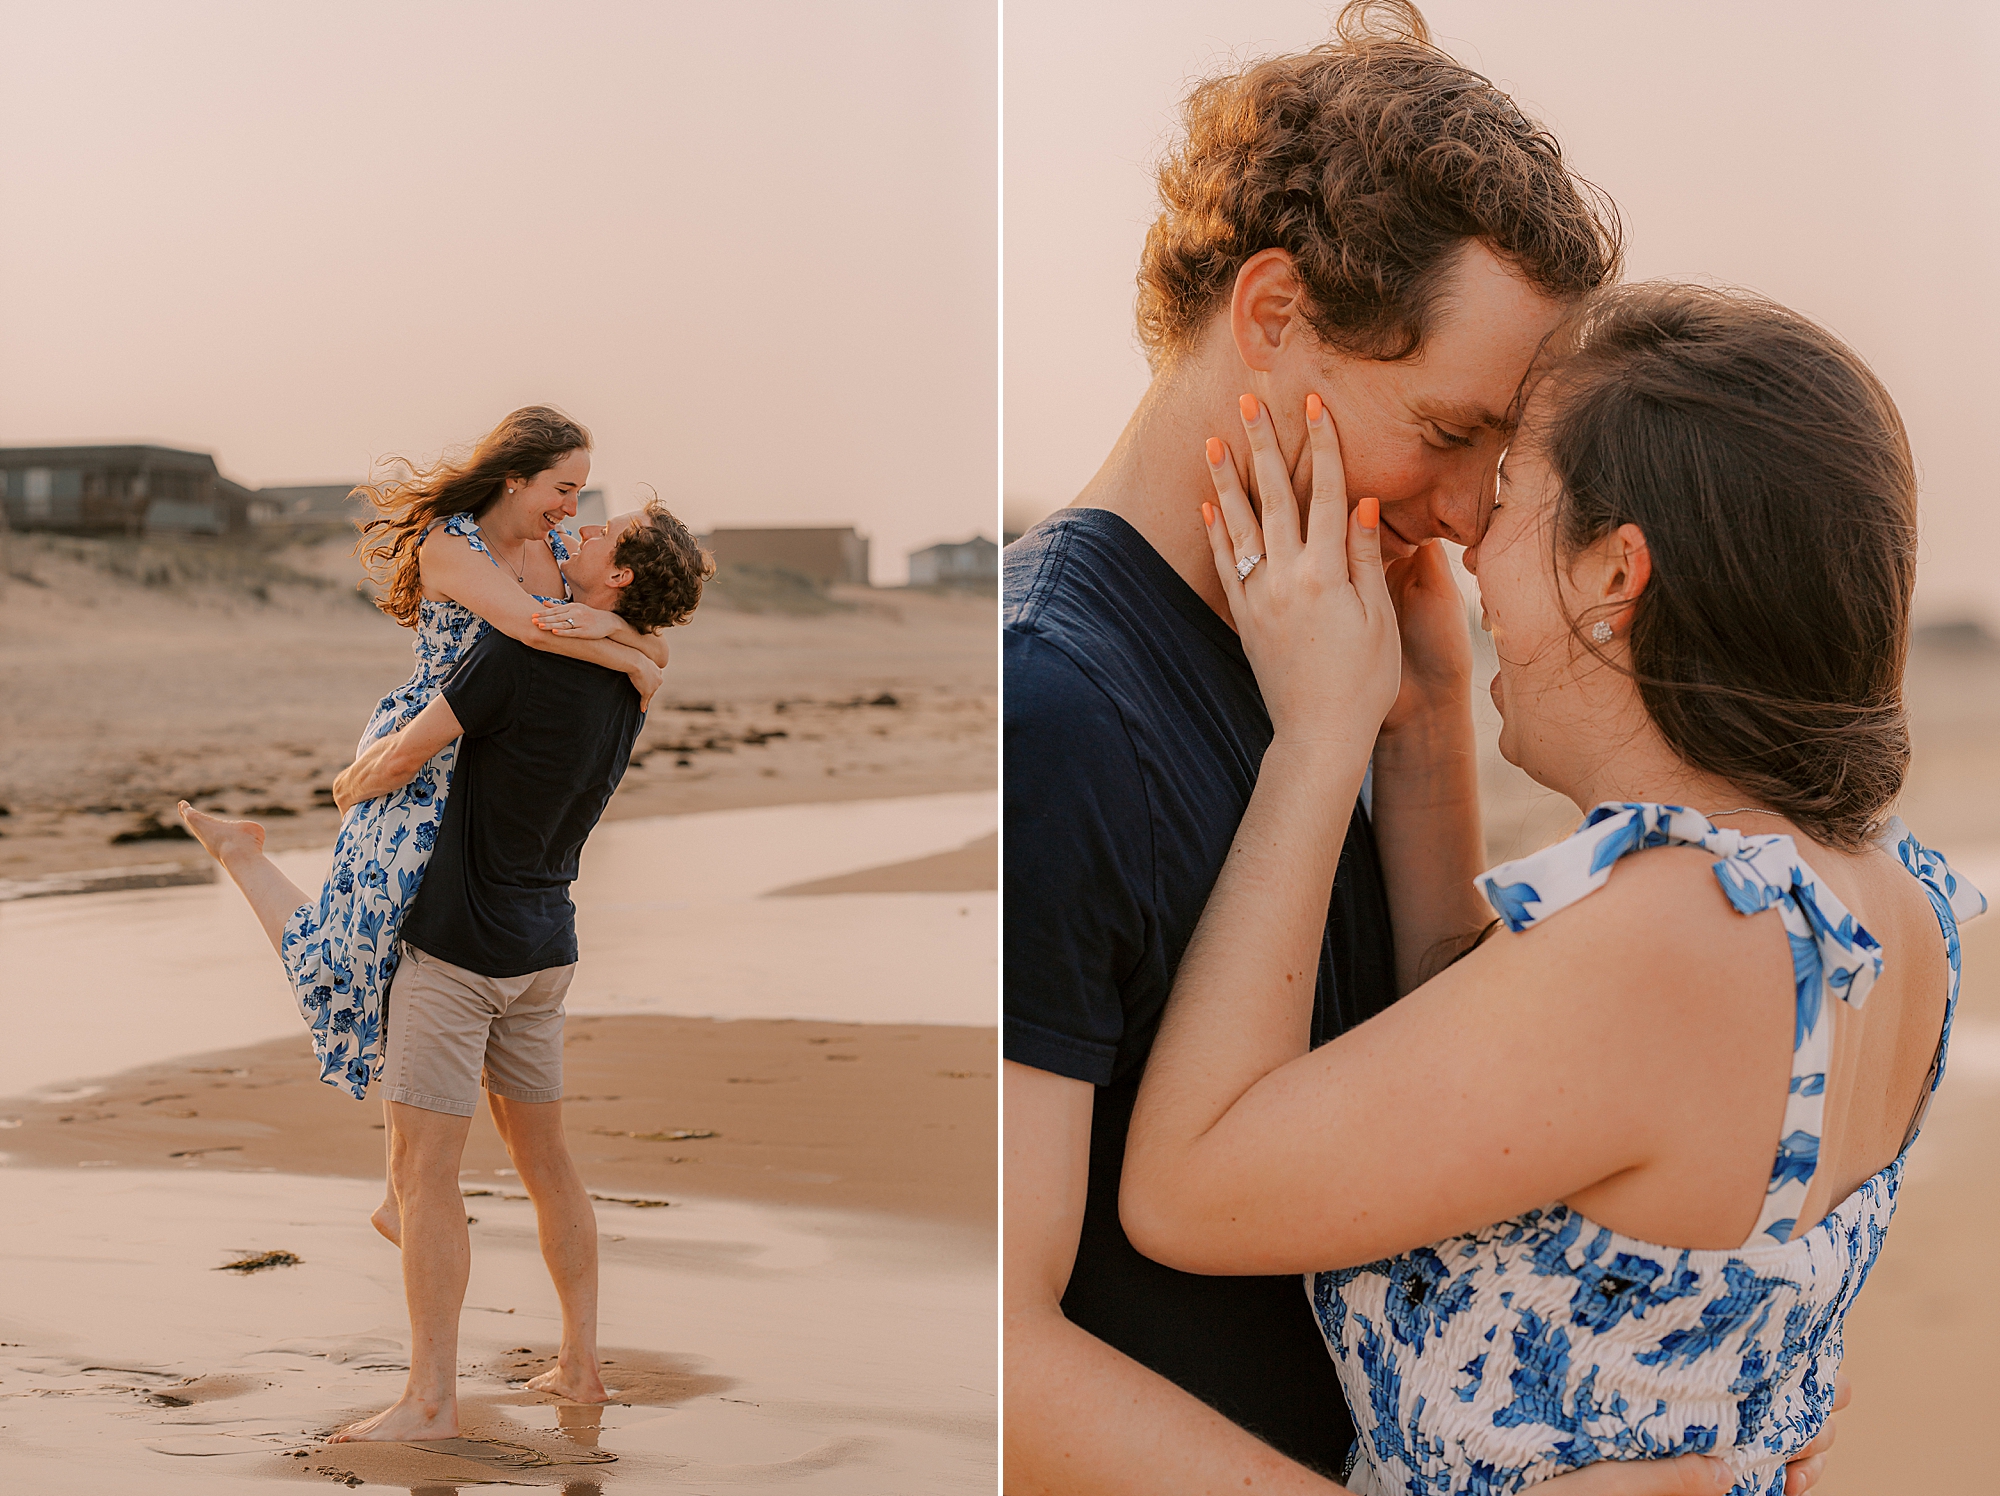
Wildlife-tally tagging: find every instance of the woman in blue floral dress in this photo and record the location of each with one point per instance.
(1605, 1183)
(462, 546)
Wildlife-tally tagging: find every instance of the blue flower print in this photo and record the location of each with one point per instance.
(1422, 1297)
(340, 953)
(1798, 1157)
(1615, 1348)
(1511, 903)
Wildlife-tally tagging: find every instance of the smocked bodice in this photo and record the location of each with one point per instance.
(1501, 1358)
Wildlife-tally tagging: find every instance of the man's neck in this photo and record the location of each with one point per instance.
(1156, 478)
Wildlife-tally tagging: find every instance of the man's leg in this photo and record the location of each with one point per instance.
(567, 1224)
(437, 1258)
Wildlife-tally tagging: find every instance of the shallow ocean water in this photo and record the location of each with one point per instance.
(671, 918)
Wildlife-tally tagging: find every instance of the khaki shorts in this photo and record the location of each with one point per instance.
(449, 1028)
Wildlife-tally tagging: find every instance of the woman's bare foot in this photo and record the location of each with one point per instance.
(388, 1219)
(222, 839)
(409, 1421)
(573, 1383)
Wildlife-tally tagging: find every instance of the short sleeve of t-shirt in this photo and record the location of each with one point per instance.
(484, 690)
(1078, 854)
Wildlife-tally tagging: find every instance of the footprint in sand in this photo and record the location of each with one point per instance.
(499, 1455)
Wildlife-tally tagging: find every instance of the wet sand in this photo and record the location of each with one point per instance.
(676, 915)
(895, 1118)
(780, 1064)
(753, 1347)
(797, 1214)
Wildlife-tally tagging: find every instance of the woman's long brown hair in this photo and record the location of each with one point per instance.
(530, 441)
(1768, 469)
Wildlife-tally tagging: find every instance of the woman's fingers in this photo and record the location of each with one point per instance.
(1224, 557)
(1274, 480)
(1802, 1475)
(1241, 531)
(1364, 556)
(1329, 479)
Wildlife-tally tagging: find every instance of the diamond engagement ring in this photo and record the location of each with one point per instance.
(1247, 565)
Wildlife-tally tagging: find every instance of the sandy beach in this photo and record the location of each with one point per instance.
(780, 1062)
(134, 674)
(752, 1347)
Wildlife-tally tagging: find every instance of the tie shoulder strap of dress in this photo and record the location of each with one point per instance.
(1954, 900)
(1832, 955)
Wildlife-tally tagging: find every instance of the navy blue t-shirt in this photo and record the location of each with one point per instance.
(1133, 730)
(547, 739)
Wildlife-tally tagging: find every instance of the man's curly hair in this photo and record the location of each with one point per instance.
(668, 568)
(1371, 160)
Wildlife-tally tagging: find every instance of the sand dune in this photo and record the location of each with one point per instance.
(246, 695)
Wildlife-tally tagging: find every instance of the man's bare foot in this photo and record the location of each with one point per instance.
(222, 839)
(409, 1421)
(573, 1383)
(388, 1220)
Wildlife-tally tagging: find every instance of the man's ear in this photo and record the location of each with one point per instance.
(618, 578)
(1264, 308)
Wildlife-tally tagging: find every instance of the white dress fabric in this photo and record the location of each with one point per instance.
(340, 954)
(1502, 1358)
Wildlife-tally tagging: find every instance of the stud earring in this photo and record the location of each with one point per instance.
(1600, 632)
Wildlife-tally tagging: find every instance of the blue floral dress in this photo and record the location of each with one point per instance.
(1499, 1359)
(340, 954)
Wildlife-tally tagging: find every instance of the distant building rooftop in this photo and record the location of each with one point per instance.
(119, 490)
(975, 561)
(825, 555)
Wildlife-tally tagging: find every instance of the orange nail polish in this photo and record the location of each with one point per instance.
(1369, 512)
(1315, 408)
(1215, 451)
(1208, 514)
(1248, 405)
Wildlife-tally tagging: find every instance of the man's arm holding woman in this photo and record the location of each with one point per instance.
(392, 760)
(449, 565)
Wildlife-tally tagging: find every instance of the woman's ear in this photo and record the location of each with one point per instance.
(1608, 576)
(1623, 567)
(1264, 308)
(1632, 569)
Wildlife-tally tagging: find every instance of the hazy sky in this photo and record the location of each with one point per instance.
(752, 247)
(1843, 158)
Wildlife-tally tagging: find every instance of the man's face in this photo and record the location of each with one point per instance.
(592, 572)
(1424, 435)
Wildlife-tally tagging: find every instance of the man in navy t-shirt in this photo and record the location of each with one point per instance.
(488, 945)
(1374, 225)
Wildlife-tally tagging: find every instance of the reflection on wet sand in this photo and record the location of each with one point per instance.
(830, 1351)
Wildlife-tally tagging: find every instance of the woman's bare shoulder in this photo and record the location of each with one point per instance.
(1661, 927)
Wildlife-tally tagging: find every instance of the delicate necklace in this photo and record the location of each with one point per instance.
(521, 573)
